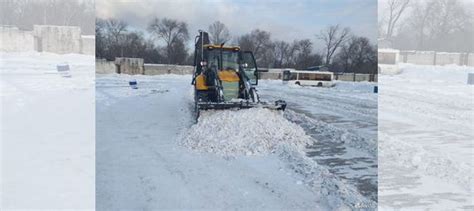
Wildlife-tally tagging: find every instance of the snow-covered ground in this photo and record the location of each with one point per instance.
(47, 132)
(426, 139)
(150, 155)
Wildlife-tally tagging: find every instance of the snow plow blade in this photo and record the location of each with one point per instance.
(277, 105)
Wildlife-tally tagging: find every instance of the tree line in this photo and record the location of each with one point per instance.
(431, 25)
(166, 41)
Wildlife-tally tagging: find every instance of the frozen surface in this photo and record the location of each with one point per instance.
(151, 156)
(47, 132)
(426, 139)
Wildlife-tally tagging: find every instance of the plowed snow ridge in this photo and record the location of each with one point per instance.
(255, 131)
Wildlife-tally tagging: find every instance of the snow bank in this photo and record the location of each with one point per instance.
(254, 131)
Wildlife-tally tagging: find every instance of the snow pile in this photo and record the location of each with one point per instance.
(254, 131)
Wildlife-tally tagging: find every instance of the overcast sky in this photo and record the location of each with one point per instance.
(285, 19)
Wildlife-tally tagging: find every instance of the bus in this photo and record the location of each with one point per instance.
(309, 78)
(388, 61)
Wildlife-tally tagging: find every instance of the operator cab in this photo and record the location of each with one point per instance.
(229, 67)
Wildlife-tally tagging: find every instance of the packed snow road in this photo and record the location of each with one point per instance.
(143, 162)
(343, 120)
(141, 166)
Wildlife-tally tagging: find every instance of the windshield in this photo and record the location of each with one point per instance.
(230, 59)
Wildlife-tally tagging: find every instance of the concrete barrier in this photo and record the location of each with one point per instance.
(419, 57)
(160, 69)
(131, 66)
(436, 58)
(57, 39)
(46, 38)
(358, 77)
(470, 59)
(103, 66)
(88, 44)
(14, 40)
(448, 58)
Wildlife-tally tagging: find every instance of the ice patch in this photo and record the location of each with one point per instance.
(255, 131)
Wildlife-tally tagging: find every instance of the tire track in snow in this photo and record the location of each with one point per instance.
(344, 150)
(348, 156)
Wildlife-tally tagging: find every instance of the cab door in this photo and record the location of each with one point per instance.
(249, 66)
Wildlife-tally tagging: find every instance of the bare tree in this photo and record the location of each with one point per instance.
(112, 40)
(281, 53)
(419, 22)
(219, 33)
(395, 11)
(333, 37)
(358, 55)
(291, 56)
(115, 28)
(100, 39)
(172, 32)
(448, 17)
(257, 41)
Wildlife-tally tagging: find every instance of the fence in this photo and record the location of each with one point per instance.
(160, 69)
(436, 58)
(106, 67)
(136, 66)
(13, 39)
(131, 66)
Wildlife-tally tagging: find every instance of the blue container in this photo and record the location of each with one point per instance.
(133, 84)
(376, 89)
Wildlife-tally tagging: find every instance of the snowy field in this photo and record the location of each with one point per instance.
(151, 155)
(47, 132)
(426, 139)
